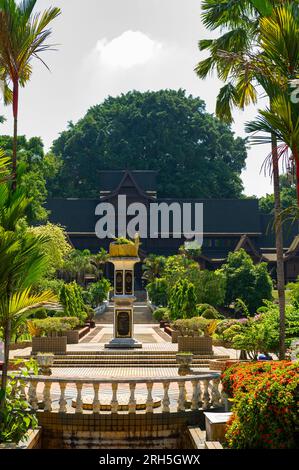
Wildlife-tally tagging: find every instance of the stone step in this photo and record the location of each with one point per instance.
(132, 355)
(88, 364)
(124, 362)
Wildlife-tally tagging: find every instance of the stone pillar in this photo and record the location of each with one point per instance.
(123, 331)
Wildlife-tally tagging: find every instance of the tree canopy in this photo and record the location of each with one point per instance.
(166, 131)
(35, 168)
(288, 196)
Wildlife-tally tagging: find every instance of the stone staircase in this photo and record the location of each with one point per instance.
(108, 358)
(142, 315)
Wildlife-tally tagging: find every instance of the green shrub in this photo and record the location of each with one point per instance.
(182, 300)
(158, 292)
(207, 311)
(54, 285)
(39, 314)
(98, 292)
(71, 298)
(161, 313)
(246, 281)
(195, 326)
(265, 410)
(55, 326)
(17, 417)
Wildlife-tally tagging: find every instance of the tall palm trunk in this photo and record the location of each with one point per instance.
(296, 158)
(15, 133)
(279, 250)
(7, 337)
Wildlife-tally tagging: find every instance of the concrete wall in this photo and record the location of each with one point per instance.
(121, 431)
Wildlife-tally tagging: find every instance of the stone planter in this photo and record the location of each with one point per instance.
(55, 345)
(184, 361)
(31, 441)
(200, 345)
(174, 336)
(72, 336)
(45, 362)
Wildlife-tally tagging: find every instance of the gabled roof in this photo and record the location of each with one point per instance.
(294, 248)
(247, 244)
(128, 180)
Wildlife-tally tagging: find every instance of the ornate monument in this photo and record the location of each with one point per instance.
(124, 256)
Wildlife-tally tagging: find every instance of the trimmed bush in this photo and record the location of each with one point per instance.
(161, 313)
(191, 327)
(208, 311)
(265, 413)
(54, 326)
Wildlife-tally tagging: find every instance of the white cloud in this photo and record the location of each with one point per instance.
(128, 50)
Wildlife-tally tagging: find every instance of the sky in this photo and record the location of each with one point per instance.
(108, 47)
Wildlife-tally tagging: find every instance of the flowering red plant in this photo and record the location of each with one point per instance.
(265, 411)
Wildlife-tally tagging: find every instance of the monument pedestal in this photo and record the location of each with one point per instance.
(123, 329)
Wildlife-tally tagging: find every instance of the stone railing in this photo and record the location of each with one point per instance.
(189, 393)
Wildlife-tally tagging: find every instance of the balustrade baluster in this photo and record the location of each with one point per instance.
(196, 394)
(206, 395)
(62, 399)
(149, 399)
(166, 401)
(32, 396)
(216, 397)
(132, 401)
(182, 397)
(79, 402)
(47, 396)
(114, 401)
(96, 406)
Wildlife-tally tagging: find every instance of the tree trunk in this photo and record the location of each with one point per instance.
(296, 158)
(15, 133)
(279, 250)
(7, 335)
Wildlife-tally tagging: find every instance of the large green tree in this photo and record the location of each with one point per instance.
(35, 167)
(246, 281)
(166, 131)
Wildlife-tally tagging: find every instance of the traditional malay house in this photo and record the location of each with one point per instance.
(228, 224)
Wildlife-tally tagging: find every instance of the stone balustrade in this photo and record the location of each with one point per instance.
(189, 393)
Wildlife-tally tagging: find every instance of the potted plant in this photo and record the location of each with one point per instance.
(90, 318)
(45, 361)
(122, 247)
(184, 359)
(195, 335)
(49, 335)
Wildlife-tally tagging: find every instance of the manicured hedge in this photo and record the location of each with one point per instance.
(265, 410)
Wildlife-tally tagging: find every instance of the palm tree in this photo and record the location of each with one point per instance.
(23, 36)
(98, 261)
(23, 262)
(231, 56)
(153, 267)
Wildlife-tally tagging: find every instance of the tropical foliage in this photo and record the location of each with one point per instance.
(23, 37)
(163, 131)
(246, 281)
(265, 410)
(71, 298)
